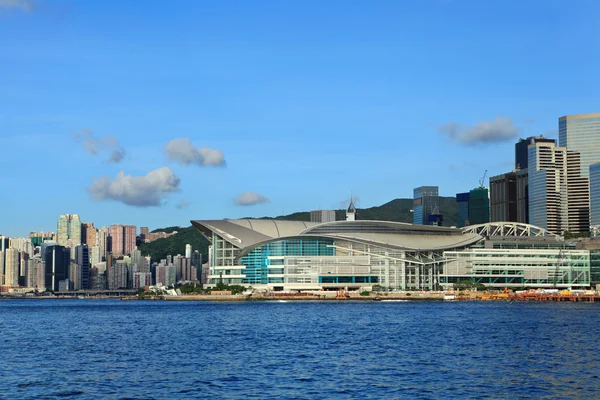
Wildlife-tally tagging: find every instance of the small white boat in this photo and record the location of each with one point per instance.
(449, 297)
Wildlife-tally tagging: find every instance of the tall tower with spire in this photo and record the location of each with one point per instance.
(351, 212)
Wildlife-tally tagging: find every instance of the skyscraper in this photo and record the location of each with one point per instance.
(89, 234)
(11, 267)
(56, 261)
(503, 197)
(595, 197)
(69, 227)
(188, 251)
(462, 200)
(425, 200)
(82, 259)
(129, 238)
(144, 231)
(479, 206)
(521, 153)
(558, 194)
(581, 133)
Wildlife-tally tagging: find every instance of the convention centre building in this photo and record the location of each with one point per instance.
(352, 254)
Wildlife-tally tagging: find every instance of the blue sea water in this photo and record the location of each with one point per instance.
(158, 350)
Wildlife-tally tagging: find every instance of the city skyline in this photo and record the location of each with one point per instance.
(357, 101)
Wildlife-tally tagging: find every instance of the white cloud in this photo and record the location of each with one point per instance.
(183, 151)
(137, 191)
(250, 199)
(499, 130)
(25, 5)
(95, 144)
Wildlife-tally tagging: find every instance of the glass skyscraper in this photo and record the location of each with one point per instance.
(595, 196)
(581, 133)
(425, 200)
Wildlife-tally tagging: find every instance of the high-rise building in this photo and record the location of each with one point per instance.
(102, 241)
(129, 238)
(595, 198)
(503, 197)
(122, 239)
(75, 276)
(188, 251)
(165, 275)
(581, 133)
(462, 200)
(522, 184)
(479, 206)
(11, 267)
(558, 194)
(521, 154)
(141, 279)
(69, 227)
(35, 274)
(89, 234)
(56, 260)
(82, 259)
(117, 276)
(116, 240)
(322, 216)
(144, 231)
(425, 200)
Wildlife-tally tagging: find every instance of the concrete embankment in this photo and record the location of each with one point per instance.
(289, 297)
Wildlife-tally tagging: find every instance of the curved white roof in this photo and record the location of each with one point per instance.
(250, 233)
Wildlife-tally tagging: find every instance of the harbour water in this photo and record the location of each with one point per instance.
(154, 350)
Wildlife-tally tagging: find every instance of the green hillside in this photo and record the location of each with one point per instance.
(396, 210)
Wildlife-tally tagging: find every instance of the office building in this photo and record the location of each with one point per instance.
(595, 198)
(188, 251)
(521, 153)
(558, 194)
(479, 206)
(425, 200)
(75, 274)
(56, 259)
(462, 200)
(522, 185)
(581, 133)
(65, 285)
(69, 228)
(11, 267)
(503, 197)
(320, 216)
(82, 259)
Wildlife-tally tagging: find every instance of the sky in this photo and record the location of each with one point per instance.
(154, 113)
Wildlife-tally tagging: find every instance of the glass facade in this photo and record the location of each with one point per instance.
(426, 201)
(462, 199)
(581, 133)
(524, 268)
(479, 206)
(595, 196)
(265, 264)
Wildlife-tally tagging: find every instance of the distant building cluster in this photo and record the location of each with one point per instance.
(80, 257)
(553, 186)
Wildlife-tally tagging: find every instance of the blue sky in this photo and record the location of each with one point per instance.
(291, 105)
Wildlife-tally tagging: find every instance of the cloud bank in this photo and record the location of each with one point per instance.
(24, 5)
(95, 145)
(136, 191)
(250, 199)
(485, 132)
(183, 151)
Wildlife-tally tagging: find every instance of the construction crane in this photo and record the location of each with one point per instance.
(559, 264)
(481, 185)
